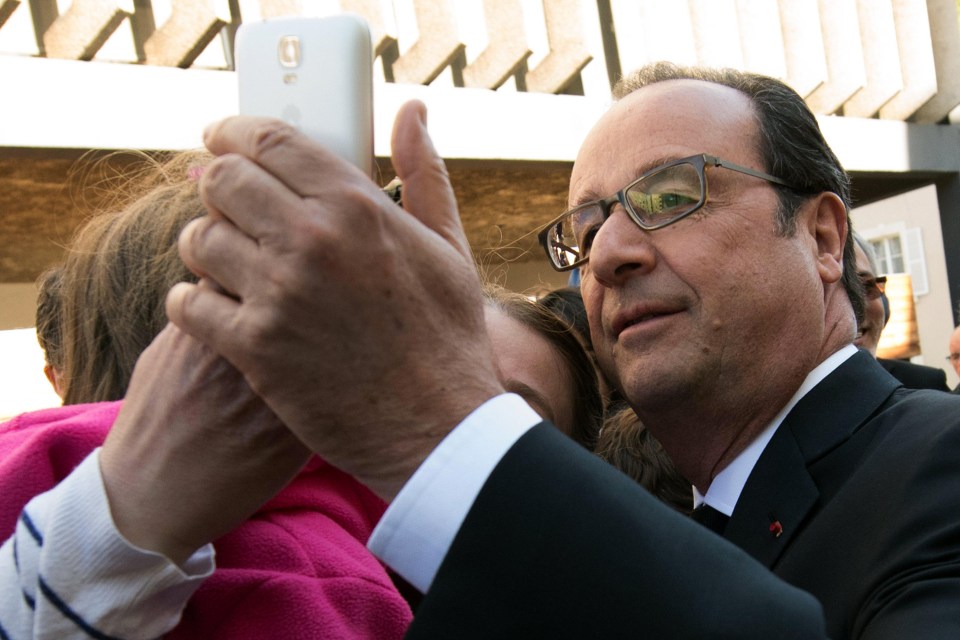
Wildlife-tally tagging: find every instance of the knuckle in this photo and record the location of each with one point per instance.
(220, 171)
(269, 135)
(260, 335)
(178, 305)
(194, 240)
(367, 210)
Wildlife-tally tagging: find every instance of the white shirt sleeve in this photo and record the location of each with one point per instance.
(68, 573)
(418, 528)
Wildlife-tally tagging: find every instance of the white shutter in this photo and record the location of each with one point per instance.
(915, 261)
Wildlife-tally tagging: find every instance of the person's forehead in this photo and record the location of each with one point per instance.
(863, 262)
(525, 358)
(663, 121)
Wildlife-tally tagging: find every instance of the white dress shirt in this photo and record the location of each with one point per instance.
(418, 528)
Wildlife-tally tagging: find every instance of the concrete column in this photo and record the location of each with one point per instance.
(916, 60)
(803, 45)
(762, 38)
(716, 33)
(881, 59)
(840, 29)
(948, 197)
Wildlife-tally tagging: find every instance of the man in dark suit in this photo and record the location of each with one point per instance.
(841, 499)
(876, 315)
(710, 223)
(954, 356)
(915, 376)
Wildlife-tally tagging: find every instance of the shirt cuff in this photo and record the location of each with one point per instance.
(418, 528)
(116, 587)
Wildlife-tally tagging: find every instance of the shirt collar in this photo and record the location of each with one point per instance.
(726, 487)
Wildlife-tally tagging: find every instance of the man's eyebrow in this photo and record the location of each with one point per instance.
(532, 396)
(587, 196)
(592, 196)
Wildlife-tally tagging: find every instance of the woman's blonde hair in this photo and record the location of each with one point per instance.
(117, 272)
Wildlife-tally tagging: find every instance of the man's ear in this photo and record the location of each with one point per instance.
(828, 226)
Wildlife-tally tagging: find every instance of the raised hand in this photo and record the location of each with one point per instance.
(194, 452)
(359, 323)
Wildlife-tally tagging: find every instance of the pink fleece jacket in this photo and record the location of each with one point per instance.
(299, 568)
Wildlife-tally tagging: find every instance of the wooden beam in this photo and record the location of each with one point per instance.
(7, 7)
(437, 46)
(80, 32)
(568, 50)
(840, 30)
(881, 59)
(917, 67)
(507, 50)
(803, 45)
(946, 56)
(191, 27)
(45, 105)
(372, 11)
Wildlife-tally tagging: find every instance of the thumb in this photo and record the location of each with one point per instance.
(427, 193)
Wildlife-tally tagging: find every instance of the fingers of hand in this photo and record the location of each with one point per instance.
(281, 150)
(190, 420)
(209, 316)
(216, 249)
(238, 189)
(427, 193)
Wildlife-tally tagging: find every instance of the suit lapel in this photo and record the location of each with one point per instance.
(775, 501)
(780, 493)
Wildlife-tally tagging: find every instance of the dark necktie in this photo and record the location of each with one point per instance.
(710, 518)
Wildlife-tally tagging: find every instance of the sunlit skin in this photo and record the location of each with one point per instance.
(529, 366)
(869, 335)
(709, 325)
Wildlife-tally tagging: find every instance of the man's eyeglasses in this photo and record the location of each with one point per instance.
(658, 198)
(953, 357)
(874, 287)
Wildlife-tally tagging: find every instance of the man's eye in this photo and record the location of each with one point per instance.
(674, 200)
(586, 239)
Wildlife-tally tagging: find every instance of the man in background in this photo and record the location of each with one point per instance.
(876, 316)
(954, 356)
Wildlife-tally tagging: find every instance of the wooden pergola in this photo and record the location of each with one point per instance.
(512, 87)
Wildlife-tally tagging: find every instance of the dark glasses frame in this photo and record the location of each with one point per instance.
(874, 287)
(556, 250)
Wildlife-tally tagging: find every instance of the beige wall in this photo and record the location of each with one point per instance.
(934, 317)
(531, 277)
(18, 303)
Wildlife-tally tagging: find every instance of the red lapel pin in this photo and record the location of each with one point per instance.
(776, 528)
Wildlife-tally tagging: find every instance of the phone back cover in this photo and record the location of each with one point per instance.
(329, 95)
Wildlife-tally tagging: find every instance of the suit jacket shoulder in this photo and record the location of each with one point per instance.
(848, 503)
(560, 545)
(916, 376)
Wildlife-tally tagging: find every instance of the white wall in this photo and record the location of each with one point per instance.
(23, 387)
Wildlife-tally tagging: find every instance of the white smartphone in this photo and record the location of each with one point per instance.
(316, 74)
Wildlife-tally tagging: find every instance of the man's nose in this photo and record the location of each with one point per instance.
(620, 249)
